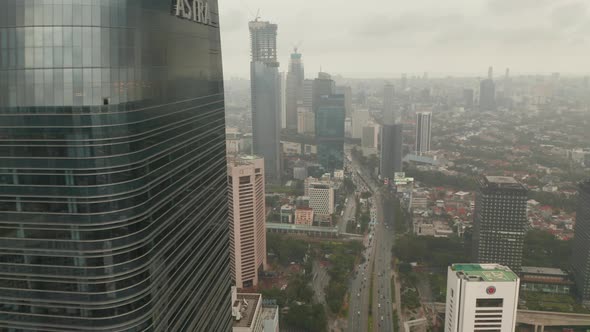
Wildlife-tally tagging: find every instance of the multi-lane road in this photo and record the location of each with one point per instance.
(377, 267)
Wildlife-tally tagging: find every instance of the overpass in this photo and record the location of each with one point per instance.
(313, 231)
(540, 319)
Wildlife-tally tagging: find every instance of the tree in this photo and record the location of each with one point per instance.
(543, 249)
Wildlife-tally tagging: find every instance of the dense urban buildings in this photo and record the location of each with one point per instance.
(294, 94)
(423, 132)
(481, 297)
(391, 150)
(581, 248)
(266, 96)
(247, 219)
(329, 131)
(113, 202)
(500, 221)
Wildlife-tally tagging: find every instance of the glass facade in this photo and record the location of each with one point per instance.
(329, 121)
(113, 206)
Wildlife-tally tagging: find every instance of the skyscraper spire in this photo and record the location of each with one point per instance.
(491, 73)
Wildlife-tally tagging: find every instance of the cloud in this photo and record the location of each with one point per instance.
(570, 14)
(509, 7)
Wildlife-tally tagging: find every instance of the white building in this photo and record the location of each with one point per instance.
(481, 297)
(321, 198)
(423, 132)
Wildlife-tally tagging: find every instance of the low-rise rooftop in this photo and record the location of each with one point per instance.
(484, 272)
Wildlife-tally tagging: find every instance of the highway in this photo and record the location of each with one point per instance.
(378, 252)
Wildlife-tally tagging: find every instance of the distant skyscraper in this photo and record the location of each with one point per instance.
(295, 79)
(404, 83)
(308, 94)
(391, 150)
(481, 297)
(323, 85)
(266, 96)
(468, 98)
(329, 124)
(347, 92)
(423, 132)
(305, 121)
(113, 171)
(389, 116)
(360, 118)
(500, 221)
(247, 219)
(283, 100)
(581, 247)
(487, 92)
(371, 136)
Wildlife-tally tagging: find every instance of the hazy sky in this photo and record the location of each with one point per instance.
(382, 38)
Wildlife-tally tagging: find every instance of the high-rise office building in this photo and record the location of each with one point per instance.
(323, 85)
(423, 132)
(481, 297)
(487, 92)
(391, 150)
(294, 96)
(389, 114)
(581, 247)
(266, 96)
(113, 188)
(305, 121)
(468, 95)
(500, 221)
(347, 92)
(371, 134)
(360, 118)
(247, 219)
(329, 124)
(308, 94)
(404, 83)
(321, 198)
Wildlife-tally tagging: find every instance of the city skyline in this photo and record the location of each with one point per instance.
(456, 37)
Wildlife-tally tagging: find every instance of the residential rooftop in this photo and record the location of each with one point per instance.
(484, 272)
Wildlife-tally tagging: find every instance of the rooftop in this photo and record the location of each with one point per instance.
(501, 180)
(247, 304)
(484, 272)
(501, 183)
(543, 270)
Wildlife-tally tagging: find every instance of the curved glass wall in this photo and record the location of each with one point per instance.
(113, 209)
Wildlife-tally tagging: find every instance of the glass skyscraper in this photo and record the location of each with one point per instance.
(581, 244)
(329, 130)
(113, 202)
(266, 97)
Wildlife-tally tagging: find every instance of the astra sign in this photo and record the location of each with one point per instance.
(194, 10)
